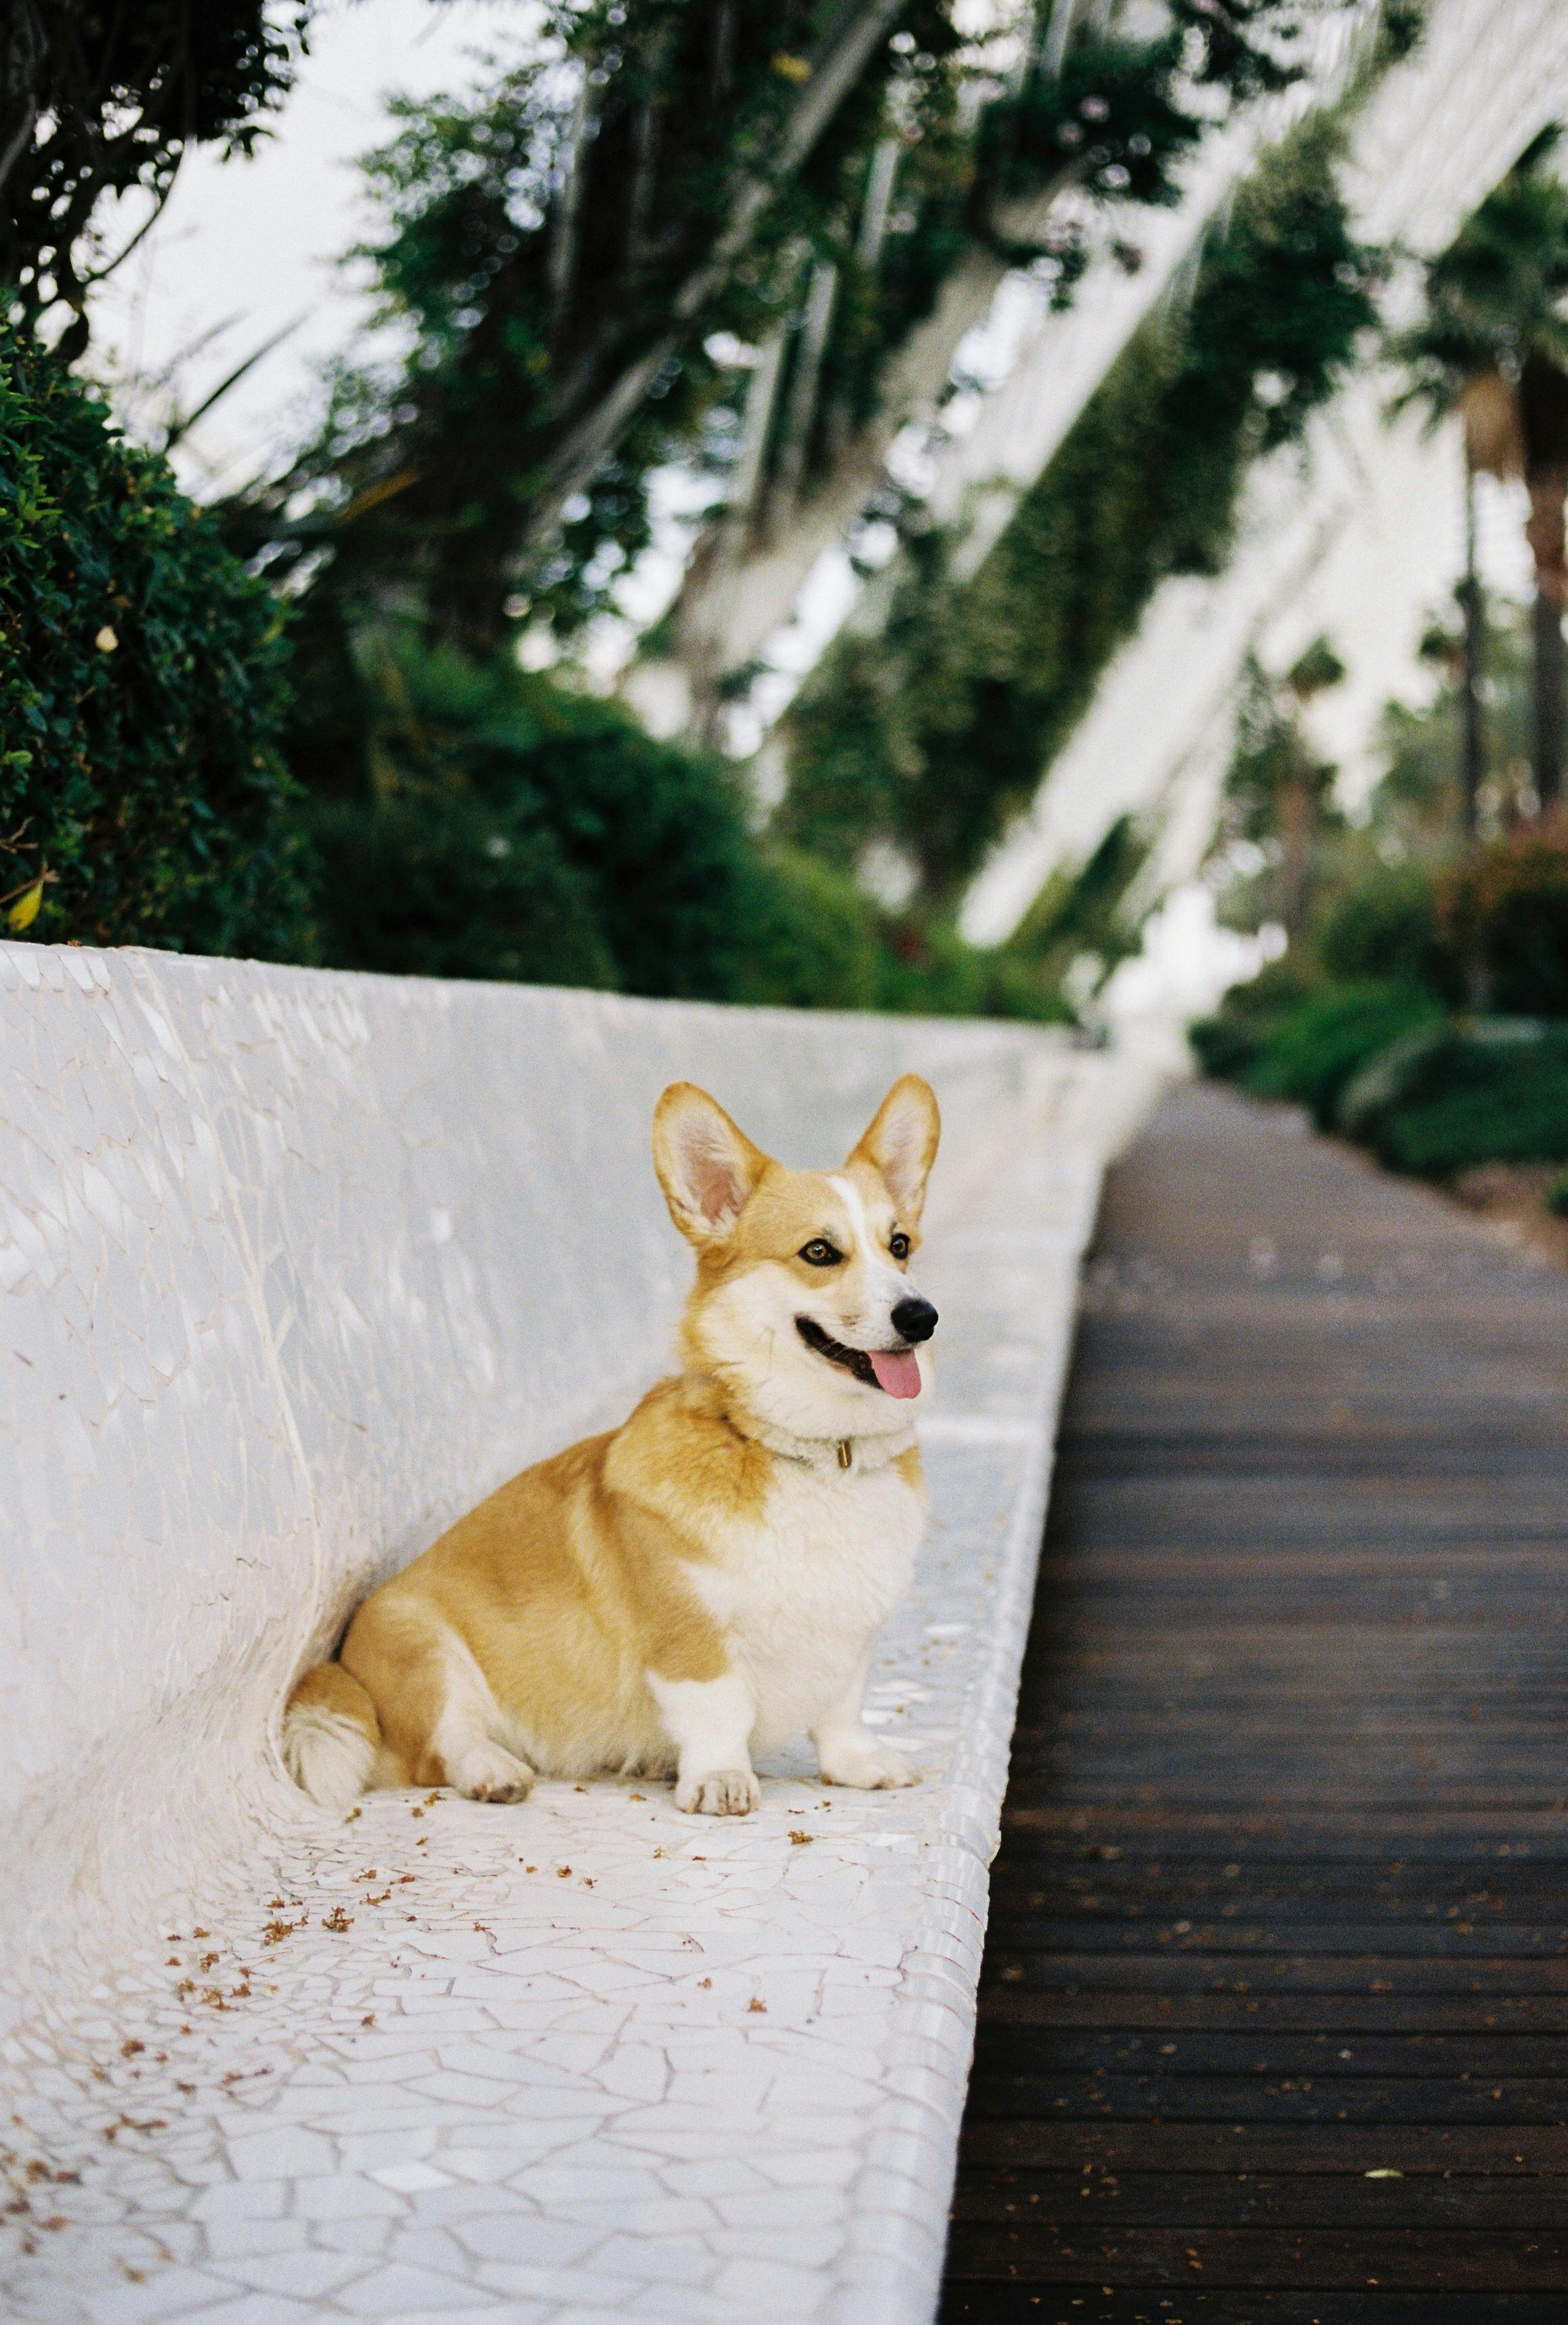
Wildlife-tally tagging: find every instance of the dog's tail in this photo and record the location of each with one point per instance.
(331, 1735)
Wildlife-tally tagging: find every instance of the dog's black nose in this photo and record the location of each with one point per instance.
(914, 1318)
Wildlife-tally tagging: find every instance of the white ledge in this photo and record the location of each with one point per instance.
(297, 1266)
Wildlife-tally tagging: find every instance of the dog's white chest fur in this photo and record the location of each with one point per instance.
(801, 1591)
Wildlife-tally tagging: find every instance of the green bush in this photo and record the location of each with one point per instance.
(494, 824)
(928, 969)
(811, 939)
(1392, 1079)
(1313, 1054)
(512, 829)
(454, 889)
(1385, 924)
(1479, 1100)
(1227, 1044)
(1506, 912)
(141, 693)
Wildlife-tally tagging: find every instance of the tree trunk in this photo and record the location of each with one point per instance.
(801, 408)
(1543, 393)
(1545, 532)
(609, 409)
(1471, 675)
(1548, 707)
(1296, 831)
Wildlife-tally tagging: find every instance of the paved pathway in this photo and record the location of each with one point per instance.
(1275, 2016)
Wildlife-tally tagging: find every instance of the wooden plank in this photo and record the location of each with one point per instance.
(1098, 2198)
(1292, 1973)
(1248, 2099)
(999, 2303)
(1008, 2047)
(1431, 2259)
(1484, 2150)
(1283, 1897)
(1347, 2015)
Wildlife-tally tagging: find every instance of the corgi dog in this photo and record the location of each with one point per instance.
(710, 1579)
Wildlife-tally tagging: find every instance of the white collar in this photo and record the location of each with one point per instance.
(875, 1451)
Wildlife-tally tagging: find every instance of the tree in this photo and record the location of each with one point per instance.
(1492, 345)
(1279, 777)
(557, 250)
(931, 734)
(578, 254)
(97, 100)
(1107, 108)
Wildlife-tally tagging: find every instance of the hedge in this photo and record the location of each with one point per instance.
(142, 693)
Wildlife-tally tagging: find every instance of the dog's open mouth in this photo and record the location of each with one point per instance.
(895, 1371)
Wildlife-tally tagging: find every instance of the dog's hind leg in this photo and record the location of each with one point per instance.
(438, 1714)
(477, 1763)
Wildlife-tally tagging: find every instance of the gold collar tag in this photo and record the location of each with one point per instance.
(845, 1454)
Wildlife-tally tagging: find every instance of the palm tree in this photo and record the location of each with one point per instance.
(1492, 345)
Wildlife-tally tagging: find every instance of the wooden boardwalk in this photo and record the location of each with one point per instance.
(1274, 2017)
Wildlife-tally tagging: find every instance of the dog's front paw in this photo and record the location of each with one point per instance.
(485, 1771)
(869, 1768)
(721, 1792)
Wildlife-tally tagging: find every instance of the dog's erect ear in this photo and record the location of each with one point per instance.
(902, 1143)
(706, 1166)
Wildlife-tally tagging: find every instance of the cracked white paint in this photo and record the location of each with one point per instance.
(295, 1267)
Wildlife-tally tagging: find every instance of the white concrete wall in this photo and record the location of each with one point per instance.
(298, 1265)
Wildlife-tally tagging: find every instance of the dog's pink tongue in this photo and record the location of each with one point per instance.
(897, 1371)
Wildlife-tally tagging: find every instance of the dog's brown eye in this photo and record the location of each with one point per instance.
(820, 1252)
(899, 1246)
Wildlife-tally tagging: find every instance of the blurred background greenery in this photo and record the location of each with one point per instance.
(340, 713)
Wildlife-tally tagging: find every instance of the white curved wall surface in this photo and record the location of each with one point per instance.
(297, 1266)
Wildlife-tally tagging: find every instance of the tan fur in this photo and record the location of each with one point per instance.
(567, 1624)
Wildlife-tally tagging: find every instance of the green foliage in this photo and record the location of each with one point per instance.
(1316, 671)
(463, 888)
(1112, 117)
(96, 100)
(1383, 922)
(1495, 298)
(556, 253)
(1385, 1064)
(577, 849)
(932, 734)
(1505, 910)
(932, 972)
(1315, 1052)
(1226, 1045)
(1078, 918)
(1477, 1101)
(497, 825)
(811, 940)
(1278, 796)
(141, 692)
(538, 241)
(1115, 114)
(1418, 800)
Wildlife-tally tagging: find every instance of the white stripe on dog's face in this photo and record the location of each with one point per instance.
(885, 1285)
(850, 1194)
